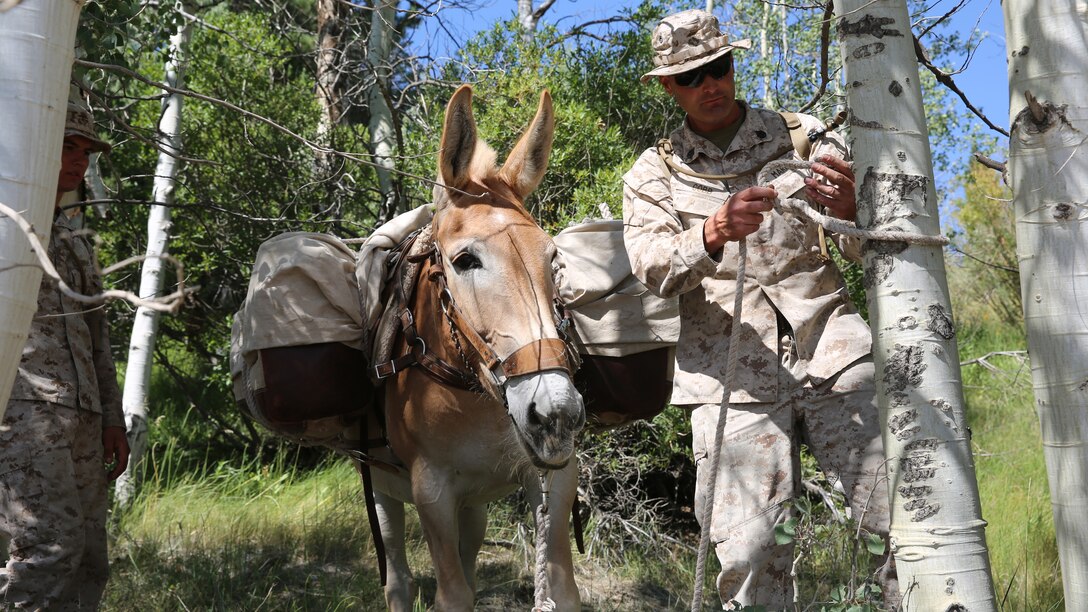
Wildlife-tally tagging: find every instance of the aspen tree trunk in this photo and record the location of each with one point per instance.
(330, 56)
(529, 16)
(141, 347)
(37, 45)
(382, 131)
(765, 53)
(1047, 46)
(937, 531)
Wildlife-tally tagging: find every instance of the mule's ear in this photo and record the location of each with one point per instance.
(525, 166)
(458, 139)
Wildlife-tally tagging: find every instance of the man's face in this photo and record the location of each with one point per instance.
(73, 162)
(710, 103)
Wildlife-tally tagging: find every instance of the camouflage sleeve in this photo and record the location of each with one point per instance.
(832, 143)
(669, 258)
(105, 371)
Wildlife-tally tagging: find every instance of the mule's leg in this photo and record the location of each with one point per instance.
(400, 588)
(438, 512)
(473, 525)
(560, 565)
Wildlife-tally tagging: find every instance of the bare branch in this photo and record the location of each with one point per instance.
(825, 43)
(356, 157)
(993, 164)
(946, 79)
(169, 303)
(984, 262)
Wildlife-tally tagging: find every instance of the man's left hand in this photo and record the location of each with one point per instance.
(115, 443)
(834, 187)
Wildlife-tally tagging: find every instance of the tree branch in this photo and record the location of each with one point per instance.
(825, 43)
(946, 79)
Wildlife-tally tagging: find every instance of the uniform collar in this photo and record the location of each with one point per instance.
(688, 145)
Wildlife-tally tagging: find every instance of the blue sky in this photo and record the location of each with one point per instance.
(984, 80)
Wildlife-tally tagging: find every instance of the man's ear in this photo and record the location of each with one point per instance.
(666, 83)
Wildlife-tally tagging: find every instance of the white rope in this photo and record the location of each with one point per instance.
(839, 226)
(832, 224)
(542, 602)
(719, 433)
(169, 303)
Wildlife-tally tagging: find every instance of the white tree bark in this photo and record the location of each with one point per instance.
(145, 327)
(37, 43)
(382, 131)
(529, 16)
(937, 531)
(765, 53)
(1047, 46)
(330, 63)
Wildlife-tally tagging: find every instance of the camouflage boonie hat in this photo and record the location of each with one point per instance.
(80, 122)
(687, 40)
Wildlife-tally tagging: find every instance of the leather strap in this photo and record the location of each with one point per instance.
(537, 356)
(544, 354)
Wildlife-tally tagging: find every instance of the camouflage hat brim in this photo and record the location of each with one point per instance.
(97, 145)
(684, 64)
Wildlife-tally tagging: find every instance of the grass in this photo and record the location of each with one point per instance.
(246, 537)
(1011, 473)
(264, 535)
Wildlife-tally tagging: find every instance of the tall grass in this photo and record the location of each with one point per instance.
(1011, 470)
(245, 536)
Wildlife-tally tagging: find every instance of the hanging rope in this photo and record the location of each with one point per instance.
(543, 603)
(840, 226)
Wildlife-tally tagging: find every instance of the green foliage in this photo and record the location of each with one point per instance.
(984, 266)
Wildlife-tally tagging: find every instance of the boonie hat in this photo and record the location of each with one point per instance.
(687, 40)
(80, 122)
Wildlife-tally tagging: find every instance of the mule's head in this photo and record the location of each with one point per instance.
(498, 267)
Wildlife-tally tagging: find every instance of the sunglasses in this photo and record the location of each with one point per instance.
(715, 70)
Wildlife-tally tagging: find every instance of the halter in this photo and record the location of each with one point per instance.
(537, 356)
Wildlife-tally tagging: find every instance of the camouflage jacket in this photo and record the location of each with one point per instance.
(66, 359)
(663, 214)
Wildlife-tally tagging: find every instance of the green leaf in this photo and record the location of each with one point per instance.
(840, 594)
(784, 533)
(868, 590)
(875, 544)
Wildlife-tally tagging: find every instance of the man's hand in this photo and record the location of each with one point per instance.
(834, 188)
(739, 216)
(115, 443)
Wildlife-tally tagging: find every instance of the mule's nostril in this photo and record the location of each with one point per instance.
(534, 416)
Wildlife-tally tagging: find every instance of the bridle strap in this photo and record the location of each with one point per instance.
(537, 356)
(417, 354)
(541, 355)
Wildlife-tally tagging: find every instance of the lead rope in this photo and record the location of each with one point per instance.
(543, 603)
(839, 226)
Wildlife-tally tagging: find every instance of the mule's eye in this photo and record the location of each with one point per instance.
(465, 261)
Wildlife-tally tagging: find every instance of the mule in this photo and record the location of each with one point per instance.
(484, 309)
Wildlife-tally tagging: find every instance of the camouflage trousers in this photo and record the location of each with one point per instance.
(759, 472)
(52, 508)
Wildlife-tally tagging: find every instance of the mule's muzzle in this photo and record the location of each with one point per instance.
(548, 413)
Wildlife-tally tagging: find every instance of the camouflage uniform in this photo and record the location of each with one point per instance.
(804, 372)
(53, 498)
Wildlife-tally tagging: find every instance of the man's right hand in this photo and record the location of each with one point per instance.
(739, 216)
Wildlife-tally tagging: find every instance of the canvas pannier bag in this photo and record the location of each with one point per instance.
(625, 334)
(300, 344)
(297, 357)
